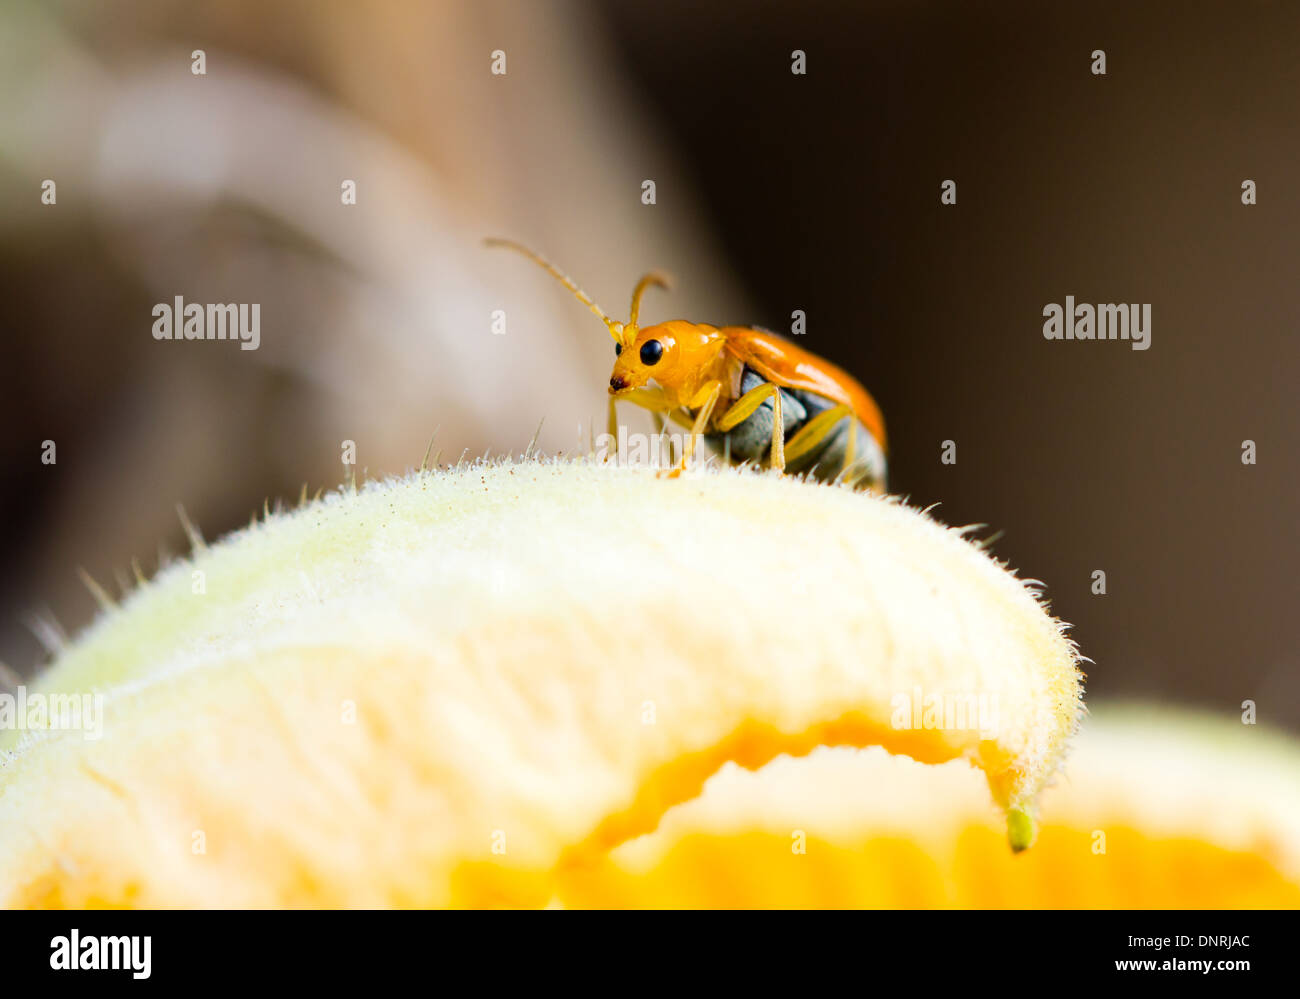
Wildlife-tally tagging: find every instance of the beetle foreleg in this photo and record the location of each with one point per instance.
(705, 399)
(652, 399)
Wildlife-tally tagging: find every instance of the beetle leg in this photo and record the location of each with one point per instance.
(855, 477)
(652, 399)
(814, 431)
(658, 440)
(706, 399)
(778, 435)
(863, 477)
(647, 398)
(744, 408)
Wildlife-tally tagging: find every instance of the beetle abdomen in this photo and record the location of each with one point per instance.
(752, 439)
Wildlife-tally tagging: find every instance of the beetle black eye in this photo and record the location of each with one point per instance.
(651, 351)
(618, 349)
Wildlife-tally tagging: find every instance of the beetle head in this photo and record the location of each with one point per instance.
(674, 354)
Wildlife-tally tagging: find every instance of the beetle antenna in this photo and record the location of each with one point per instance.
(656, 278)
(615, 327)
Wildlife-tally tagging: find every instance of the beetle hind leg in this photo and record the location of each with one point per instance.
(815, 431)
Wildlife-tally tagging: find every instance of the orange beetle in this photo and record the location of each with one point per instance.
(752, 395)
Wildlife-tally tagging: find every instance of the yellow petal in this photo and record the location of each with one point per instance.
(467, 687)
(1155, 809)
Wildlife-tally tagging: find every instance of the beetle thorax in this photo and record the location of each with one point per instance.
(693, 354)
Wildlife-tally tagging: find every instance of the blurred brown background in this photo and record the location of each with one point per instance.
(775, 192)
